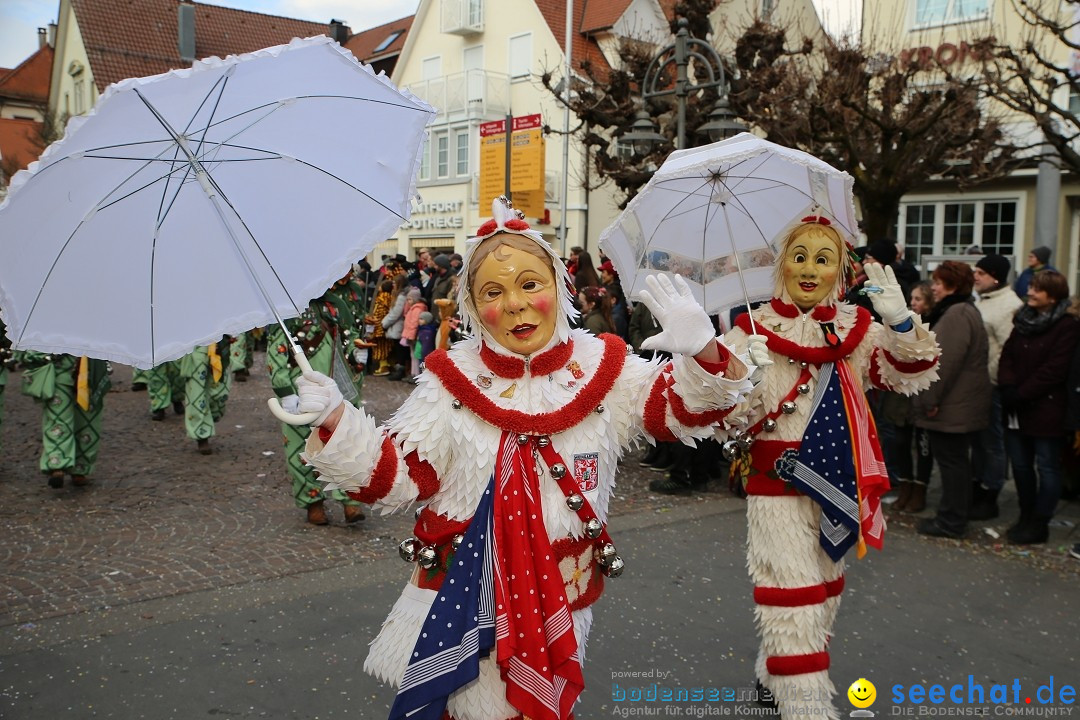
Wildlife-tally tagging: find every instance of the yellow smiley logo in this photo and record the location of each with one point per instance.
(862, 693)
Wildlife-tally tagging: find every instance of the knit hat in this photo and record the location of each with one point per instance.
(414, 294)
(1042, 254)
(426, 318)
(442, 261)
(996, 266)
(884, 251)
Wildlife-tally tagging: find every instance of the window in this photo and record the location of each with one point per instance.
(388, 41)
(462, 140)
(442, 155)
(476, 13)
(431, 68)
(521, 56)
(80, 94)
(950, 228)
(930, 13)
(425, 159)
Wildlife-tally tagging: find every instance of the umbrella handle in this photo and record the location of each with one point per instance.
(287, 417)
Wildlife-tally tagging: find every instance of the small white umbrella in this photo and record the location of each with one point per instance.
(206, 201)
(716, 215)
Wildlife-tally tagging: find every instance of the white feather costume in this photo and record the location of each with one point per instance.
(440, 448)
(797, 585)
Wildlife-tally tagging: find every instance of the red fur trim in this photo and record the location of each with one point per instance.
(516, 224)
(654, 417)
(689, 418)
(833, 588)
(511, 367)
(487, 228)
(421, 472)
(568, 547)
(797, 664)
(915, 366)
(818, 219)
(812, 355)
(515, 421)
(382, 477)
(790, 597)
(821, 313)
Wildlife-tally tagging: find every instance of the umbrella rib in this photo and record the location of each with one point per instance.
(741, 207)
(205, 98)
(140, 189)
(153, 245)
(668, 214)
(217, 103)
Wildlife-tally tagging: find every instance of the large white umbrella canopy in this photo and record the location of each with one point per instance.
(716, 215)
(206, 201)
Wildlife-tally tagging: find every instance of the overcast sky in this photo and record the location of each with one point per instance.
(19, 19)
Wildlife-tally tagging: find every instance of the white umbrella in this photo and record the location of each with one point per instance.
(716, 214)
(206, 201)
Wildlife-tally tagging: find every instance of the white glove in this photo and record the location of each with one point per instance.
(889, 303)
(686, 328)
(318, 393)
(360, 355)
(291, 404)
(758, 350)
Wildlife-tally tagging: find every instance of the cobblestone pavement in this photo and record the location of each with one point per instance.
(161, 520)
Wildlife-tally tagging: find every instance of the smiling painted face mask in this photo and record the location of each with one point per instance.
(516, 293)
(813, 264)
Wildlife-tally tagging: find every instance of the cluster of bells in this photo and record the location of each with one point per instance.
(739, 444)
(7, 358)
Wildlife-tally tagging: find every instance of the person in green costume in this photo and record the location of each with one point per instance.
(140, 380)
(72, 392)
(318, 331)
(7, 360)
(242, 355)
(166, 387)
(351, 328)
(205, 372)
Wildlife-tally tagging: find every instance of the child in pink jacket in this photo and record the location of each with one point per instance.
(413, 308)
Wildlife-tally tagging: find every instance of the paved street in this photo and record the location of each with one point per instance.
(180, 586)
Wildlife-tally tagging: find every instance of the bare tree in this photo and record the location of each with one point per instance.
(1039, 75)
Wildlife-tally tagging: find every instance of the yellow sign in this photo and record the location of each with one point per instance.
(526, 164)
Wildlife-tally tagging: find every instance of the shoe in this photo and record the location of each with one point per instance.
(241, 375)
(56, 479)
(158, 415)
(917, 500)
(138, 387)
(80, 480)
(1075, 551)
(178, 407)
(902, 500)
(932, 528)
(316, 514)
(204, 446)
(353, 513)
(396, 374)
(650, 456)
(381, 372)
(764, 697)
(986, 508)
(1035, 531)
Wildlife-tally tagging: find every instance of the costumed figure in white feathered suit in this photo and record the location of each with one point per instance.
(807, 449)
(510, 442)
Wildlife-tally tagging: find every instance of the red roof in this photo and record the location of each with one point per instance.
(20, 144)
(601, 14)
(363, 44)
(583, 47)
(30, 80)
(133, 38)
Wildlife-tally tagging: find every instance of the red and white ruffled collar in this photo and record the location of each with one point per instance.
(511, 366)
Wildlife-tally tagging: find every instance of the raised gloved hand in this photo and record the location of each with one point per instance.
(758, 350)
(291, 404)
(889, 301)
(318, 393)
(686, 327)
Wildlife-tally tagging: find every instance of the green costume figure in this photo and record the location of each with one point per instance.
(317, 331)
(242, 355)
(140, 380)
(7, 359)
(72, 392)
(166, 387)
(351, 326)
(206, 388)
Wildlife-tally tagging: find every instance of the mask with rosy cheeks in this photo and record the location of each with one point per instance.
(516, 299)
(811, 267)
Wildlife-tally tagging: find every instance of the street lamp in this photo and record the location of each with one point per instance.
(722, 122)
(642, 137)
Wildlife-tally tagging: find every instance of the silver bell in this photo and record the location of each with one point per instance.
(456, 541)
(408, 548)
(803, 365)
(558, 470)
(606, 554)
(575, 502)
(593, 528)
(787, 408)
(791, 361)
(730, 450)
(615, 569)
(543, 441)
(346, 332)
(427, 557)
(599, 410)
(523, 439)
(769, 425)
(456, 404)
(803, 388)
(300, 334)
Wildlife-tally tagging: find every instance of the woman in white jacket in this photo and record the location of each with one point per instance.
(511, 440)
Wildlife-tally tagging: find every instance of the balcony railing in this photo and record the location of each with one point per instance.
(471, 94)
(462, 17)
